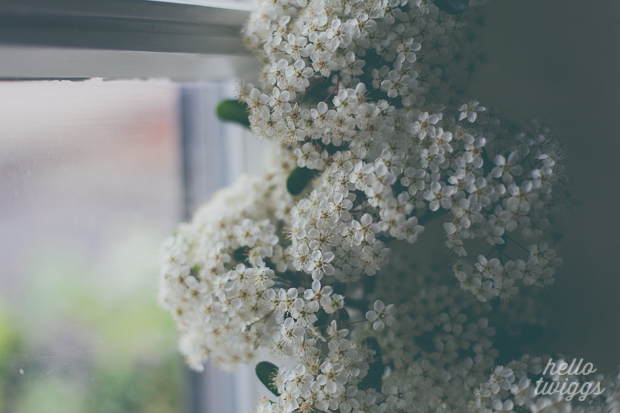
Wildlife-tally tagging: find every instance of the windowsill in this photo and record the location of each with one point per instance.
(28, 63)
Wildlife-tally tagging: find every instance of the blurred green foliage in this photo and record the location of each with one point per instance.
(88, 336)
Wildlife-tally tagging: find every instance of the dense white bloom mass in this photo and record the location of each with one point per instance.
(363, 91)
(364, 99)
(215, 276)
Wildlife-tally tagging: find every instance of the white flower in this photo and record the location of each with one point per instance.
(381, 315)
(470, 111)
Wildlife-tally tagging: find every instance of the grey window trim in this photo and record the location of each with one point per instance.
(204, 172)
(42, 39)
(122, 25)
(210, 149)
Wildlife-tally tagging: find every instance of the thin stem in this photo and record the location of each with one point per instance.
(354, 322)
(506, 255)
(516, 242)
(266, 316)
(530, 162)
(333, 91)
(282, 281)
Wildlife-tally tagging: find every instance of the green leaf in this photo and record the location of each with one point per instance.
(452, 6)
(298, 179)
(321, 318)
(322, 321)
(267, 373)
(374, 378)
(233, 110)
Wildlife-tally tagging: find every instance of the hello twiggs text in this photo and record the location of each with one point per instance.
(566, 387)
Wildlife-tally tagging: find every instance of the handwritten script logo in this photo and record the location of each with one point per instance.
(566, 387)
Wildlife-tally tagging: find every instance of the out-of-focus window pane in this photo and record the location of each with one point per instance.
(89, 185)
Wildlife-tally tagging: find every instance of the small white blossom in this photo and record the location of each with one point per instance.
(381, 315)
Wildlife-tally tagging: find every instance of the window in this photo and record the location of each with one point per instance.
(97, 172)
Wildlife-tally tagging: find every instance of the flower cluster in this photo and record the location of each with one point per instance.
(327, 380)
(214, 272)
(441, 170)
(391, 148)
(313, 262)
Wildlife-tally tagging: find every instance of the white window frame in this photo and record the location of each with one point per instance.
(78, 39)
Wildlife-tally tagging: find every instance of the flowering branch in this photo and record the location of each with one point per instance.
(277, 260)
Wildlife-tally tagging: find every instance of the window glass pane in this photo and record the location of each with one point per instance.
(90, 183)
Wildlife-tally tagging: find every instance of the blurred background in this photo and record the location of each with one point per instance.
(90, 184)
(92, 179)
